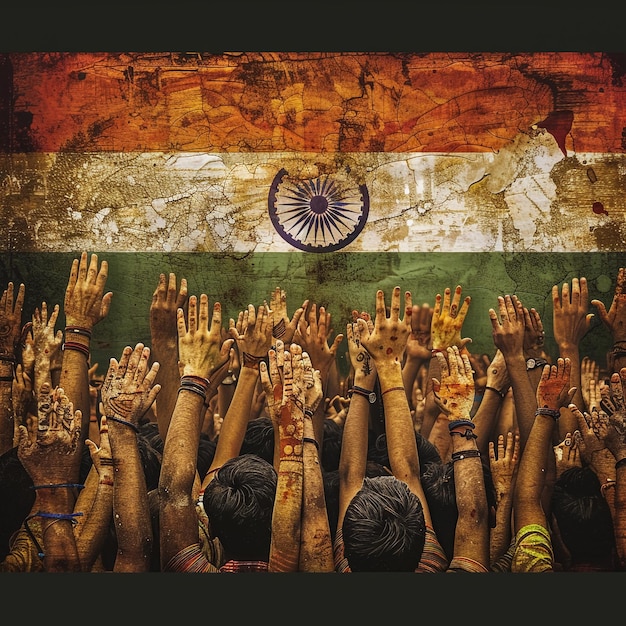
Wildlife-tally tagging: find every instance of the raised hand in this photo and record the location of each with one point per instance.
(284, 327)
(418, 342)
(615, 318)
(447, 320)
(85, 303)
(590, 382)
(253, 335)
(48, 447)
(11, 305)
(128, 390)
(534, 334)
(553, 391)
(503, 459)
(571, 322)
(566, 454)
(314, 336)
(46, 343)
(509, 331)
(454, 393)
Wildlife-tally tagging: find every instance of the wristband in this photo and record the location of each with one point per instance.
(392, 389)
(73, 345)
(553, 413)
(500, 393)
(620, 463)
(465, 454)
(251, 361)
(119, 420)
(313, 441)
(457, 423)
(370, 395)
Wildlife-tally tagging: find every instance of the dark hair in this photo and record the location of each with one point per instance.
(259, 439)
(239, 503)
(206, 452)
(439, 489)
(583, 517)
(383, 527)
(426, 450)
(331, 445)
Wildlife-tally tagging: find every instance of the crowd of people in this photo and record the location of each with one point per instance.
(227, 446)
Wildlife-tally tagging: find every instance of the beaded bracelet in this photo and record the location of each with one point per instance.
(465, 454)
(56, 517)
(544, 410)
(119, 420)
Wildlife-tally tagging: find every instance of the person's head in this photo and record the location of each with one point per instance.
(582, 518)
(426, 450)
(439, 489)
(206, 452)
(331, 445)
(383, 527)
(259, 439)
(239, 503)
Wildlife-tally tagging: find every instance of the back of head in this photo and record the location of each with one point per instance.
(331, 445)
(259, 439)
(239, 503)
(426, 450)
(383, 528)
(439, 489)
(583, 516)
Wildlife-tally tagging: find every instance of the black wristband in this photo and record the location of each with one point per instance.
(553, 413)
(620, 463)
(465, 454)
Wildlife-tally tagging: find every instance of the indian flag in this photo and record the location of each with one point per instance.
(328, 174)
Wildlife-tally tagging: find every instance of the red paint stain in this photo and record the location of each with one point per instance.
(389, 350)
(558, 124)
(598, 208)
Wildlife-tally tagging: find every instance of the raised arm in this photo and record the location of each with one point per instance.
(127, 393)
(166, 300)
(571, 322)
(284, 326)
(253, 343)
(454, 394)
(199, 355)
(10, 329)
(85, 305)
(508, 336)
(552, 393)
(50, 451)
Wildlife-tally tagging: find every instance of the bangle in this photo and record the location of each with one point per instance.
(78, 330)
(308, 412)
(553, 413)
(370, 395)
(8, 359)
(465, 454)
(251, 361)
(279, 329)
(6, 379)
(119, 420)
(392, 389)
(500, 393)
(73, 345)
(313, 441)
(197, 389)
(457, 423)
(106, 481)
(200, 380)
(58, 485)
(620, 463)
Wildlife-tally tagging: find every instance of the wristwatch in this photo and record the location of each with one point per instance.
(532, 363)
(370, 395)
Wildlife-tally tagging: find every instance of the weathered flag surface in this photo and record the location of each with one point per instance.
(327, 174)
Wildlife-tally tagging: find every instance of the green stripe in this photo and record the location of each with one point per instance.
(338, 281)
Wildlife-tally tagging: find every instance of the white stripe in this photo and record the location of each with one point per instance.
(528, 198)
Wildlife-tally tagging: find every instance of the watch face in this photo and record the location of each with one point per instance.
(530, 364)
(320, 214)
(372, 397)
